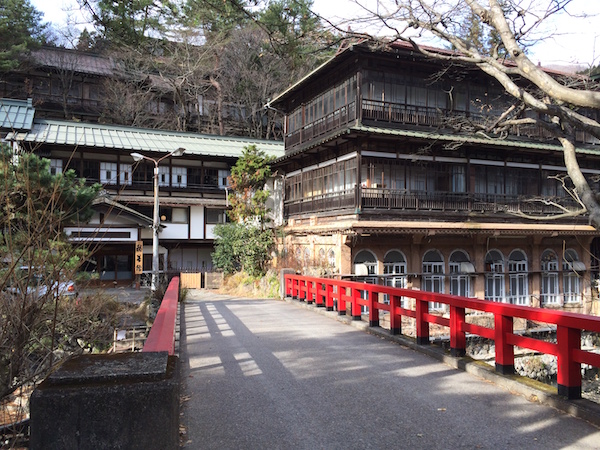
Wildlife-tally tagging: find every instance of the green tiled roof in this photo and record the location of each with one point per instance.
(16, 114)
(472, 139)
(95, 135)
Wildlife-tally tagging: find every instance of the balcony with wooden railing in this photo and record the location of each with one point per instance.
(400, 200)
(391, 114)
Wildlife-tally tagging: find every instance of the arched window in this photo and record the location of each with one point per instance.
(331, 258)
(433, 275)
(461, 270)
(306, 256)
(572, 269)
(549, 266)
(365, 263)
(394, 263)
(394, 266)
(494, 276)
(518, 293)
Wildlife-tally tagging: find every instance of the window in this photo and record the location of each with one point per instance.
(56, 166)
(179, 175)
(91, 170)
(549, 266)
(494, 276)
(211, 177)
(572, 268)
(125, 174)
(163, 176)
(143, 174)
(368, 260)
(460, 274)
(551, 187)
(433, 276)
(108, 173)
(459, 179)
(223, 176)
(365, 264)
(214, 216)
(331, 258)
(179, 215)
(394, 266)
(518, 293)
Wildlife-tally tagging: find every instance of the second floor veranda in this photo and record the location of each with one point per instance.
(393, 114)
(360, 199)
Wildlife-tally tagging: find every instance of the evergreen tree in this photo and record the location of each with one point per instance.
(245, 244)
(129, 22)
(35, 206)
(21, 29)
(248, 194)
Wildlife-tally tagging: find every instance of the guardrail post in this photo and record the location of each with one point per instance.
(342, 291)
(422, 308)
(395, 319)
(302, 290)
(458, 339)
(355, 306)
(310, 291)
(373, 311)
(329, 297)
(568, 378)
(320, 294)
(505, 352)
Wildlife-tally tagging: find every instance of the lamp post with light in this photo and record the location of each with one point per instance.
(137, 157)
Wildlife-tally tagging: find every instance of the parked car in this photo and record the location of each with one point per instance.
(38, 287)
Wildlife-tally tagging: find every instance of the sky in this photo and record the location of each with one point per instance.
(576, 41)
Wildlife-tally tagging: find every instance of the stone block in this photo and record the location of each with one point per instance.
(117, 401)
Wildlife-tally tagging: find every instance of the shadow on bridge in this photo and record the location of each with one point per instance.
(267, 374)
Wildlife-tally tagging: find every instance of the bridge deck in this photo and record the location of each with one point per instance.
(262, 374)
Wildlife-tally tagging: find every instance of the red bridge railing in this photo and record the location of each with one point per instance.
(162, 334)
(337, 294)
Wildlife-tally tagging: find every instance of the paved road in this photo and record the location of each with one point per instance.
(265, 374)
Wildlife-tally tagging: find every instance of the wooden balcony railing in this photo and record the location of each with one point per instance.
(333, 121)
(401, 114)
(402, 200)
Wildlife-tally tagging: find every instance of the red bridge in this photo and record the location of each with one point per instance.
(338, 294)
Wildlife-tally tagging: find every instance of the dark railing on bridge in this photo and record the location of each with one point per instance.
(336, 294)
(402, 200)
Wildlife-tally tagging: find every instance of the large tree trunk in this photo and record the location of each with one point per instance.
(581, 185)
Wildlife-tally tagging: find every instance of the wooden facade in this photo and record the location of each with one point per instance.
(386, 178)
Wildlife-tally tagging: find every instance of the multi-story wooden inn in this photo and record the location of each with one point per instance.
(192, 188)
(384, 178)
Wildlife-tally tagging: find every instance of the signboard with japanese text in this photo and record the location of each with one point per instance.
(139, 257)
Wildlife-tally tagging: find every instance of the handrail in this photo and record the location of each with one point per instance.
(335, 294)
(162, 334)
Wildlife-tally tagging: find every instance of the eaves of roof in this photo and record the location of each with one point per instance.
(71, 60)
(16, 114)
(436, 136)
(121, 209)
(446, 228)
(470, 139)
(174, 201)
(93, 135)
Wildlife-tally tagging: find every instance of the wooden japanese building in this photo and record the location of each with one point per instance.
(387, 177)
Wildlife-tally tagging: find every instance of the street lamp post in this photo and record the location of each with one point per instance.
(156, 218)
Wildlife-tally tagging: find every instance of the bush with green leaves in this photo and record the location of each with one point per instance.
(242, 247)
